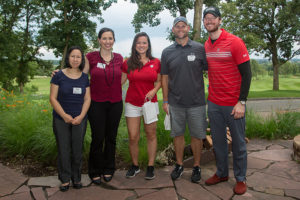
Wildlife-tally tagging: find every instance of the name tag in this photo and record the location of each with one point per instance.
(77, 90)
(101, 65)
(191, 57)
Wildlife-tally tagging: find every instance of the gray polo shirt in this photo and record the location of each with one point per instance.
(184, 66)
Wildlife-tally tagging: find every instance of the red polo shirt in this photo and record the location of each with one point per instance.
(141, 82)
(223, 58)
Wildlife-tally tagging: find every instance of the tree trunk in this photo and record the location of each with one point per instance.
(65, 52)
(197, 19)
(275, 72)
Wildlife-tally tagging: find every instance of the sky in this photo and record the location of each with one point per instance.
(119, 16)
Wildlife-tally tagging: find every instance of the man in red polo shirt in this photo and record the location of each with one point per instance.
(229, 76)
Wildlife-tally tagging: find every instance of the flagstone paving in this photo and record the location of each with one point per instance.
(271, 174)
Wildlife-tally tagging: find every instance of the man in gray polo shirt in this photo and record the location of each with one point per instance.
(182, 66)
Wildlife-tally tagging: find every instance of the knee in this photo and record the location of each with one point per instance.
(133, 139)
(151, 136)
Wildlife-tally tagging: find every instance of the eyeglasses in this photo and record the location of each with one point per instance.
(209, 18)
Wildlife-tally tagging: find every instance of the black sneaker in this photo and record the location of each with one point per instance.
(134, 170)
(177, 172)
(150, 173)
(196, 175)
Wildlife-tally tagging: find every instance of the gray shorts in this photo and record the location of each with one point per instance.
(195, 117)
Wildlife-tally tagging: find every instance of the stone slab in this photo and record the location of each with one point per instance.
(273, 155)
(142, 192)
(166, 193)
(275, 146)
(92, 192)
(255, 163)
(20, 196)
(38, 193)
(258, 144)
(48, 181)
(259, 179)
(51, 191)
(22, 189)
(289, 170)
(222, 190)
(252, 195)
(192, 191)
(292, 193)
(161, 180)
(10, 180)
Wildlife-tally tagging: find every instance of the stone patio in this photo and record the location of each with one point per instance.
(272, 174)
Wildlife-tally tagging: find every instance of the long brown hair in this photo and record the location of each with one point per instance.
(133, 61)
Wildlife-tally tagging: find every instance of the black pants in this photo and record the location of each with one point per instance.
(104, 118)
(69, 140)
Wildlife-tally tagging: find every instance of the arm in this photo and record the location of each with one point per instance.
(245, 71)
(56, 105)
(164, 84)
(157, 85)
(123, 78)
(86, 68)
(86, 104)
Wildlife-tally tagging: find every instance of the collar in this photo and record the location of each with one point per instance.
(221, 37)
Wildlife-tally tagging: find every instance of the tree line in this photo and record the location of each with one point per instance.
(268, 27)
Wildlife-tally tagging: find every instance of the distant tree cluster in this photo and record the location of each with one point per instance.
(28, 25)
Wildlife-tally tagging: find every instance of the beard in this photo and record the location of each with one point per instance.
(181, 37)
(213, 29)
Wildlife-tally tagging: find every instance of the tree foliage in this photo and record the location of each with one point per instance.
(69, 24)
(270, 27)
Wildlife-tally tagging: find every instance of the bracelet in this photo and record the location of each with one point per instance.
(165, 101)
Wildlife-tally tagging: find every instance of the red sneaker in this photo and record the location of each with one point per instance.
(240, 188)
(215, 179)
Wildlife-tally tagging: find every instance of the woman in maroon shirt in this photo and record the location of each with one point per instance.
(106, 107)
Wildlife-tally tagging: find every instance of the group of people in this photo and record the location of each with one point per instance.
(75, 100)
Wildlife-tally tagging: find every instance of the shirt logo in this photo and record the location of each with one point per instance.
(151, 66)
(244, 55)
(191, 57)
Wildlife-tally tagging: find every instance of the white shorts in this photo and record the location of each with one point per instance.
(136, 111)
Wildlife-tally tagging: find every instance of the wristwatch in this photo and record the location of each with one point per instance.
(243, 102)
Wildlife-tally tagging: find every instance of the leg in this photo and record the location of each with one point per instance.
(196, 145)
(150, 130)
(97, 119)
(218, 133)
(112, 124)
(179, 148)
(78, 133)
(196, 117)
(63, 140)
(133, 126)
(239, 149)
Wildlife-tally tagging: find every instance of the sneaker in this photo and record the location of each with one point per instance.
(134, 170)
(215, 179)
(177, 172)
(240, 188)
(150, 173)
(196, 175)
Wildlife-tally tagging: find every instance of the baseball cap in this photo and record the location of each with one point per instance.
(179, 19)
(212, 10)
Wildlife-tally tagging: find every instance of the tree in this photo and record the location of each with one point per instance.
(10, 47)
(270, 27)
(68, 23)
(148, 11)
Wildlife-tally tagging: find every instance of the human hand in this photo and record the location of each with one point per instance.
(77, 120)
(238, 111)
(54, 72)
(166, 108)
(68, 118)
(150, 94)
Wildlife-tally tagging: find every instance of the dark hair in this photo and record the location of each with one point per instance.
(67, 63)
(133, 61)
(103, 30)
